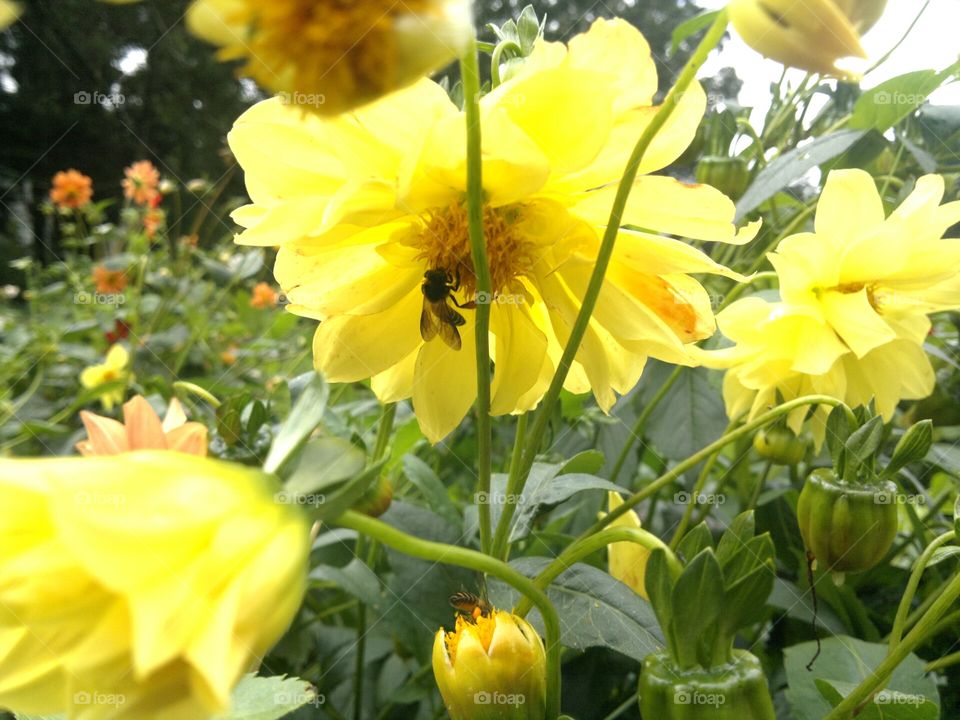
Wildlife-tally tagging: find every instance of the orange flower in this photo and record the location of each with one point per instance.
(140, 183)
(109, 282)
(153, 220)
(263, 296)
(71, 189)
(141, 429)
(229, 356)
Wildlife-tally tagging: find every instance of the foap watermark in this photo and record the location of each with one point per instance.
(498, 698)
(97, 298)
(497, 498)
(299, 698)
(685, 498)
(95, 97)
(886, 697)
(889, 498)
(285, 497)
(682, 696)
(314, 100)
(486, 298)
(99, 699)
(898, 98)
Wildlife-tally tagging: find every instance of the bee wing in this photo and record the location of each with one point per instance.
(450, 335)
(429, 322)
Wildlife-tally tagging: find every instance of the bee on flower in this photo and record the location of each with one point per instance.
(855, 296)
(329, 57)
(368, 212)
(140, 182)
(71, 190)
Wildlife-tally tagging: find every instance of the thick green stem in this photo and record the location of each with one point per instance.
(641, 423)
(383, 431)
(919, 566)
(589, 545)
(473, 560)
(515, 482)
(710, 40)
(470, 76)
(562, 561)
(876, 679)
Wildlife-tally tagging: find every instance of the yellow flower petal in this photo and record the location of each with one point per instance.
(445, 384)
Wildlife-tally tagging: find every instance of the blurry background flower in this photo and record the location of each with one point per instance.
(107, 281)
(363, 206)
(156, 578)
(9, 11)
(71, 190)
(112, 369)
(330, 56)
(812, 35)
(263, 296)
(140, 182)
(142, 429)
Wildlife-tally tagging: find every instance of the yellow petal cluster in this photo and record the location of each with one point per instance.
(142, 429)
(811, 35)
(491, 667)
(140, 586)
(854, 300)
(362, 205)
(329, 56)
(115, 367)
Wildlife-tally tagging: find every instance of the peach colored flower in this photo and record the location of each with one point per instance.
(153, 220)
(142, 429)
(71, 189)
(263, 296)
(109, 281)
(140, 182)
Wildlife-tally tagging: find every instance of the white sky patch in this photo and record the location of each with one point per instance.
(932, 44)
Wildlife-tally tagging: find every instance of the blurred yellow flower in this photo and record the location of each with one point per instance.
(142, 429)
(812, 35)
(71, 188)
(140, 586)
(855, 295)
(113, 368)
(329, 56)
(140, 182)
(627, 560)
(497, 655)
(9, 11)
(368, 211)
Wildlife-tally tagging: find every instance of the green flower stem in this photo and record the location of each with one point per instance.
(383, 431)
(470, 76)
(514, 487)
(903, 610)
(876, 679)
(710, 40)
(641, 422)
(194, 389)
(697, 490)
(495, 59)
(473, 560)
(944, 662)
(587, 546)
(562, 561)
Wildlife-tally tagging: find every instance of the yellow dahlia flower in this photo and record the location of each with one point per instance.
(855, 294)
(627, 560)
(332, 56)
(142, 430)
(812, 35)
(113, 368)
(140, 586)
(368, 211)
(491, 667)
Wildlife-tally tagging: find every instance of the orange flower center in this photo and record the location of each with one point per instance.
(481, 627)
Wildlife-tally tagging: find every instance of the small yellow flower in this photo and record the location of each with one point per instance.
(366, 207)
(491, 667)
(812, 35)
(331, 56)
(114, 367)
(855, 295)
(628, 560)
(150, 580)
(143, 430)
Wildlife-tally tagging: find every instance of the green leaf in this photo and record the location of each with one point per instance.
(886, 704)
(793, 165)
(913, 446)
(690, 416)
(861, 448)
(889, 102)
(588, 462)
(595, 610)
(838, 430)
(529, 29)
(432, 489)
(545, 491)
(956, 517)
(305, 416)
(740, 532)
(697, 600)
(849, 660)
(324, 464)
(355, 578)
(270, 698)
(745, 601)
(690, 27)
(697, 539)
(659, 587)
